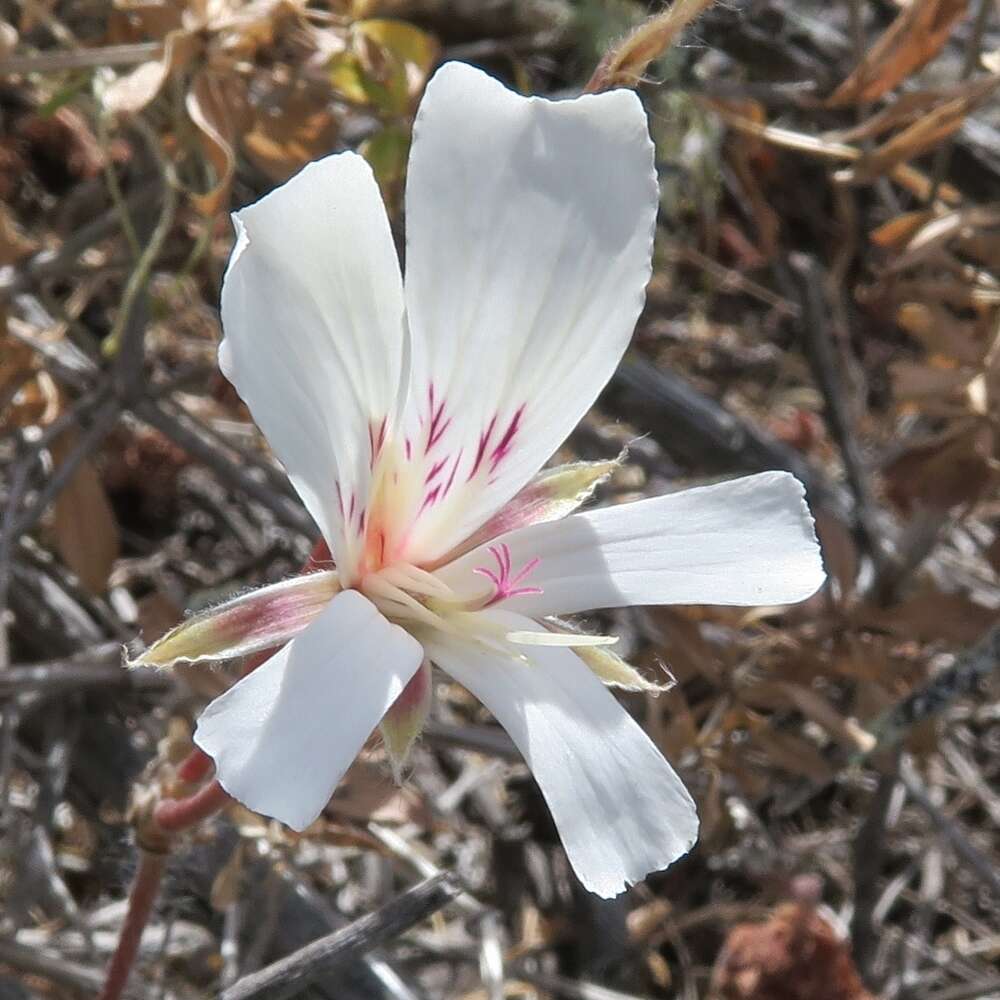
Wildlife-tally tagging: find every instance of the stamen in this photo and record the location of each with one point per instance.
(417, 581)
(560, 639)
(381, 590)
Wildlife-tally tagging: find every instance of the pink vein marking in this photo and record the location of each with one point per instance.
(436, 427)
(502, 450)
(505, 585)
(376, 438)
(484, 440)
(435, 469)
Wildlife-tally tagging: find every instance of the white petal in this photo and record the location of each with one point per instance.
(284, 735)
(529, 235)
(312, 309)
(620, 809)
(745, 542)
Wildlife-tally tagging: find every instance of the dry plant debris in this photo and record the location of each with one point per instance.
(826, 299)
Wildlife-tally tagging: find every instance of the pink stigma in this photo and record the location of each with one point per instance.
(505, 585)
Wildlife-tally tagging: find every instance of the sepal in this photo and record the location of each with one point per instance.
(258, 620)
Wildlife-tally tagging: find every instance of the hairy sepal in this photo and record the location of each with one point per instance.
(404, 721)
(255, 621)
(551, 495)
(607, 664)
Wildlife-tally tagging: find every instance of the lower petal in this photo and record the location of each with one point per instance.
(284, 735)
(620, 808)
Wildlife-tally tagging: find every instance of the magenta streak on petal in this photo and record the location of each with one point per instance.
(484, 440)
(408, 448)
(436, 426)
(376, 438)
(454, 469)
(502, 450)
(435, 469)
(340, 499)
(431, 498)
(504, 584)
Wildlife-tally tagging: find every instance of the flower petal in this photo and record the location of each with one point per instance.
(312, 309)
(620, 809)
(529, 235)
(261, 619)
(284, 735)
(745, 542)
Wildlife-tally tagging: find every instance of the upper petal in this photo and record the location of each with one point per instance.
(529, 235)
(745, 542)
(620, 809)
(312, 309)
(284, 735)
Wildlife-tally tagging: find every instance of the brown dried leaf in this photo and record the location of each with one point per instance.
(133, 91)
(217, 105)
(840, 554)
(944, 472)
(14, 244)
(86, 531)
(913, 39)
(924, 134)
(624, 65)
(899, 230)
(284, 139)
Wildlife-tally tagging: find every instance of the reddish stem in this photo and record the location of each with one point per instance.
(142, 898)
(170, 817)
(175, 815)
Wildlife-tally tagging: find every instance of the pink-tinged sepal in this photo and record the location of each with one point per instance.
(258, 620)
(404, 721)
(551, 495)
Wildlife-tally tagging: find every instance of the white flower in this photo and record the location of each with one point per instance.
(412, 418)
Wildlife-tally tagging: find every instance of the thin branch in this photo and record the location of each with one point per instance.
(234, 476)
(294, 973)
(981, 865)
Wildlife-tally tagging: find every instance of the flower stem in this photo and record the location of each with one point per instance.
(169, 818)
(175, 815)
(141, 899)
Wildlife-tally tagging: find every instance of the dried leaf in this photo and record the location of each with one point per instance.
(924, 134)
(14, 244)
(916, 35)
(217, 105)
(86, 531)
(287, 137)
(900, 229)
(953, 469)
(624, 65)
(133, 91)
